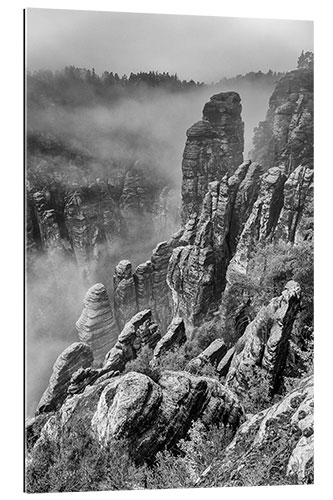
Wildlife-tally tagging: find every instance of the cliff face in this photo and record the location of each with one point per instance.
(197, 271)
(286, 136)
(213, 148)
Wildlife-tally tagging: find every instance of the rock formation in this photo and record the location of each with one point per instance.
(212, 354)
(148, 415)
(150, 285)
(155, 415)
(213, 148)
(77, 355)
(49, 229)
(286, 136)
(174, 337)
(295, 223)
(281, 436)
(94, 225)
(140, 331)
(96, 325)
(265, 341)
(263, 218)
(125, 303)
(197, 271)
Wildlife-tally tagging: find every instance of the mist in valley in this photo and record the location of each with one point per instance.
(151, 129)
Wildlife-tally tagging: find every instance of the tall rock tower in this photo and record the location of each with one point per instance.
(214, 147)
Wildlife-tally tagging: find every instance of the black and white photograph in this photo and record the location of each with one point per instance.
(169, 251)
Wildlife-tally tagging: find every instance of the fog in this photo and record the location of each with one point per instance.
(152, 130)
(205, 48)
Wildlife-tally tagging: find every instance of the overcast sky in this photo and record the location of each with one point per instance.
(202, 48)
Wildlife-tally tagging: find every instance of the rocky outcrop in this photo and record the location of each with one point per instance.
(174, 337)
(265, 341)
(150, 285)
(224, 365)
(125, 303)
(49, 229)
(77, 355)
(212, 354)
(262, 221)
(153, 415)
(270, 446)
(295, 223)
(282, 211)
(96, 325)
(84, 377)
(149, 415)
(286, 136)
(214, 147)
(139, 332)
(197, 271)
(143, 285)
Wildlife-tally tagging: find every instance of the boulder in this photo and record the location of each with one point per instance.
(139, 332)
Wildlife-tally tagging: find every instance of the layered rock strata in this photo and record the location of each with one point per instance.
(77, 355)
(277, 441)
(265, 341)
(139, 332)
(174, 337)
(96, 326)
(213, 148)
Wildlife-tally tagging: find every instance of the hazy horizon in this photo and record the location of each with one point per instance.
(202, 48)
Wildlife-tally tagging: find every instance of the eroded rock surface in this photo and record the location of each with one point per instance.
(213, 148)
(295, 223)
(197, 269)
(140, 331)
(96, 325)
(154, 415)
(77, 355)
(125, 301)
(174, 337)
(212, 354)
(265, 341)
(286, 136)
